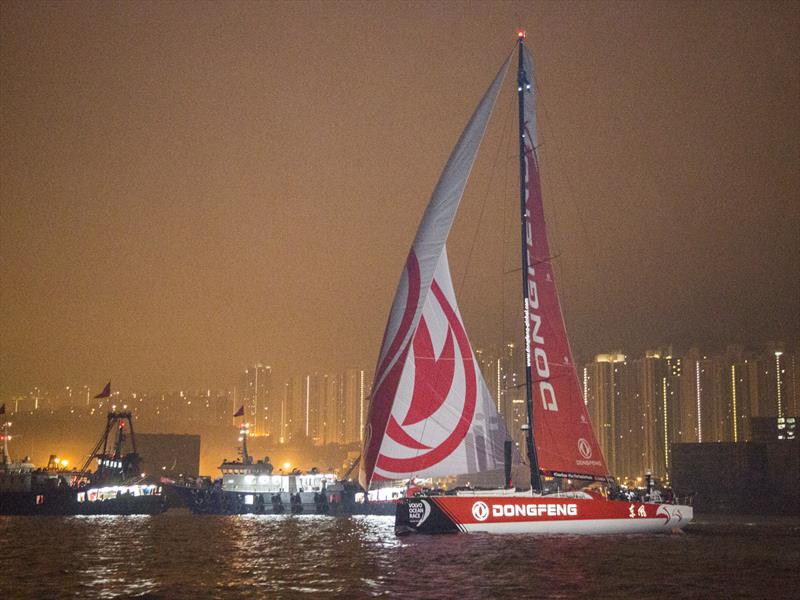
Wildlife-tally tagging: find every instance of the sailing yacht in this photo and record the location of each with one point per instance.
(431, 414)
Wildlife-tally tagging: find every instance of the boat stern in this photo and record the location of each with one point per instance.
(677, 516)
(422, 515)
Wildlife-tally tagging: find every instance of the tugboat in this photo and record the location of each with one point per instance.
(115, 488)
(248, 487)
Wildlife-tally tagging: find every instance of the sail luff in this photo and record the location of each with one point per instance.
(436, 221)
(415, 284)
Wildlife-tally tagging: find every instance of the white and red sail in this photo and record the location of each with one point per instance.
(565, 442)
(431, 413)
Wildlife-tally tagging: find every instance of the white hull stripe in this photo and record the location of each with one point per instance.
(577, 526)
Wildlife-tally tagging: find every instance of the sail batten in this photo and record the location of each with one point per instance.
(426, 364)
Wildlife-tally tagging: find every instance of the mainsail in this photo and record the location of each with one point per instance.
(565, 442)
(431, 413)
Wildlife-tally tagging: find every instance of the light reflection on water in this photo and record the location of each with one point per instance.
(177, 555)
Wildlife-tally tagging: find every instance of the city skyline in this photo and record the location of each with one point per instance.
(187, 199)
(237, 379)
(706, 396)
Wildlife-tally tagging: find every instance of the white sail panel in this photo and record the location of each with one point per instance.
(443, 420)
(416, 282)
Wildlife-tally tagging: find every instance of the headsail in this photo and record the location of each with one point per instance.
(430, 412)
(565, 442)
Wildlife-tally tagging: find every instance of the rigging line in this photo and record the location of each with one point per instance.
(504, 196)
(535, 263)
(537, 380)
(547, 259)
(503, 244)
(503, 134)
(558, 157)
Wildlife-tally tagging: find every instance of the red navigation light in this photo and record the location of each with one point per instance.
(521, 33)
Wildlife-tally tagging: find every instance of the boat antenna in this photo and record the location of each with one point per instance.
(523, 86)
(244, 432)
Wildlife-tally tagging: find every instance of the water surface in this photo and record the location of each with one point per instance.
(179, 555)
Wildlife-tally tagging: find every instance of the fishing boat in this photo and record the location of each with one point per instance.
(431, 414)
(116, 487)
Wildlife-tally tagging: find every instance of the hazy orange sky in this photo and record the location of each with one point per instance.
(189, 188)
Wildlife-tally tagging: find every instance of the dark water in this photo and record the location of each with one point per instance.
(177, 555)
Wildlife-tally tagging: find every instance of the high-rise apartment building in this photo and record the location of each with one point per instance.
(332, 412)
(791, 382)
(293, 413)
(313, 407)
(255, 393)
(503, 373)
(355, 395)
(616, 422)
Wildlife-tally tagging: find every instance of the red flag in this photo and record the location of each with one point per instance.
(106, 393)
(240, 412)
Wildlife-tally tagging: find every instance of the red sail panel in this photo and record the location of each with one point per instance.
(565, 442)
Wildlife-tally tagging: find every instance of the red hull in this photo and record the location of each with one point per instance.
(536, 514)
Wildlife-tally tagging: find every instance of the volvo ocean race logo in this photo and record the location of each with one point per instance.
(418, 511)
(480, 511)
(585, 448)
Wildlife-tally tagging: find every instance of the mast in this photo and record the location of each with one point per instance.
(6, 460)
(524, 85)
(244, 431)
(120, 439)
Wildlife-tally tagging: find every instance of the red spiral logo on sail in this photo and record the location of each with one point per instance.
(433, 381)
(434, 378)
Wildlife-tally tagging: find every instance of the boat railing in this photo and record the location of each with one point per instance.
(500, 492)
